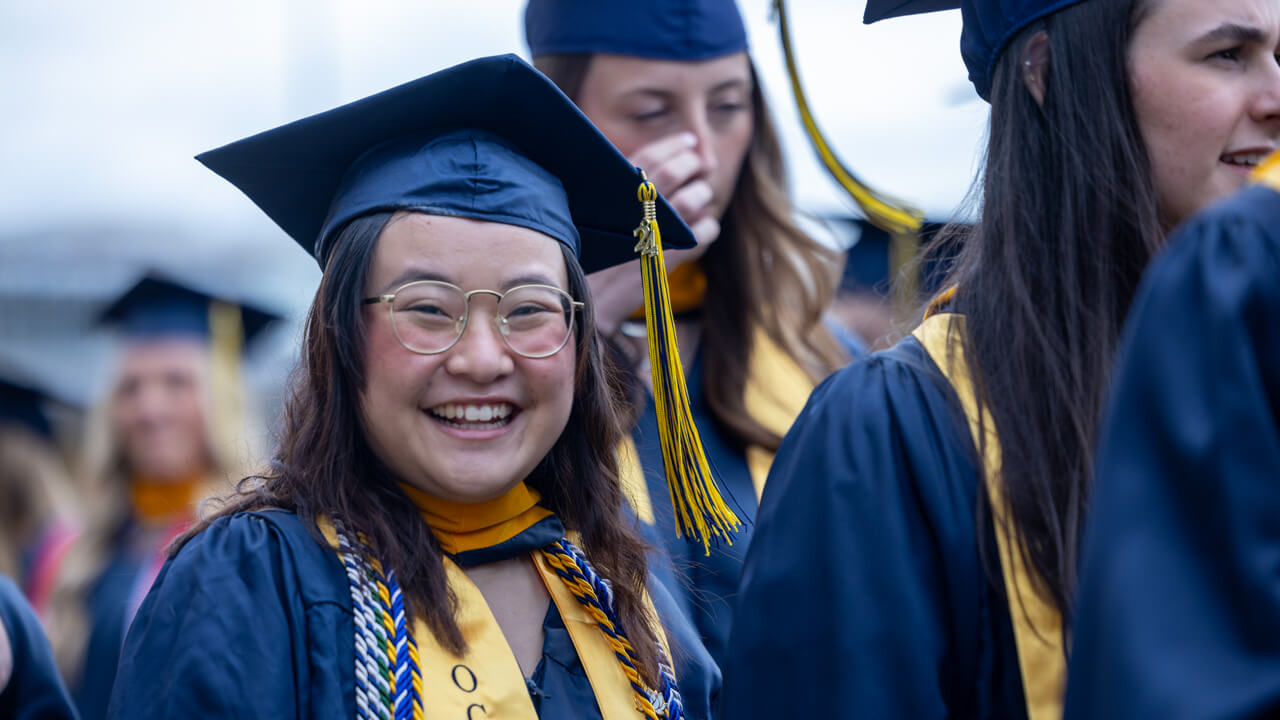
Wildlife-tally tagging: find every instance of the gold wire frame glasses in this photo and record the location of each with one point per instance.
(429, 316)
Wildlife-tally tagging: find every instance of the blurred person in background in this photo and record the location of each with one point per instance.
(171, 431)
(1179, 606)
(37, 512)
(30, 687)
(918, 545)
(672, 85)
(440, 533)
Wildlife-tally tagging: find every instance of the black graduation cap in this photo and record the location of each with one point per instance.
(989, 25)
(24, 406)
(156, 306)
(491, 139)
(687, 30)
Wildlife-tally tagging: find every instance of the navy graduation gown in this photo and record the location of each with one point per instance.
(864, 592)
(34, 690)
(1179, 607)
(252, 618)
(107, 604)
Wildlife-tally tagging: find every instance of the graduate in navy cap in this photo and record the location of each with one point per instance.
(30, 688)
(917, 546)
(672, 85)
(170, 431)
(441, 533)
(1178, 603)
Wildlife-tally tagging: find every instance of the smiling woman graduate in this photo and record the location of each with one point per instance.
(917, 543)
(441, 531)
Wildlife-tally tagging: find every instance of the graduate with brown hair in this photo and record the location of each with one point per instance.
(440, 532)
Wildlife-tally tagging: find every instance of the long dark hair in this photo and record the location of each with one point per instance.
(325, 465)
(1068, 223)
(764, 272)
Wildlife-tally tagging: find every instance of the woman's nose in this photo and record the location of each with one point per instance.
(480, 354)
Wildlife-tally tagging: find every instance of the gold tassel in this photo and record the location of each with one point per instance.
(888, 213)
(699, 509)
(894, 216)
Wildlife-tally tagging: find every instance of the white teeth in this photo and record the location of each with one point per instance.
(1247, 160)
(474, 413)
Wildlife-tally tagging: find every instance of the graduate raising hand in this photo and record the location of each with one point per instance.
(672, 84)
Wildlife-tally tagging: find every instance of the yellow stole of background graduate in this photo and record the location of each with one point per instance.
(775, 393)
(1037, 625)
(1268, 172)
(486, 680)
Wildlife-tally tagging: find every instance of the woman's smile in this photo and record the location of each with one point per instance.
(468, 423)
(475, 419)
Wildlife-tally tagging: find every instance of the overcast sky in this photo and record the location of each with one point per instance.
(104, 105)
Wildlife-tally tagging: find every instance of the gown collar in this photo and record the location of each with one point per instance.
(499, 529)
(159, 501)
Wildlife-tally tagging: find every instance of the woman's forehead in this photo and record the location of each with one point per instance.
(463, 251)
(624, 75)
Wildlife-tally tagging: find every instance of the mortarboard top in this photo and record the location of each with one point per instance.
(492, 139)
(23, 406)
(688, 30)
(159, 307)
(989, 25)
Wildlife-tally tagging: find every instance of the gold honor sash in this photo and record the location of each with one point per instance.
(486, 681)
(1037, 625)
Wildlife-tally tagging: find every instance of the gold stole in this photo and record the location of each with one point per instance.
(1037, 625)
(777, 389)
(161, 501)
(1268, 172)
(486, 680)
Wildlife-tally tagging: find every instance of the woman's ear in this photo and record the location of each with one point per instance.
(1035, 65)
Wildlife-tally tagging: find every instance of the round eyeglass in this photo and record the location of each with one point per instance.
(429, 316)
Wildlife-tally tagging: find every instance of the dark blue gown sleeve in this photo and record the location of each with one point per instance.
(34, 691)
(1179, 608)
(235, 627)
(863, 593)
(696, 671)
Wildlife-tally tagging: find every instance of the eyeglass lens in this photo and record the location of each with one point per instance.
(534, 321)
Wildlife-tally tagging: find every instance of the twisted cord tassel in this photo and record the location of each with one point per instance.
(386, 623)
(589, 588)
(388, 678)
(372, 666)
(408, 705)
(700, 510)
